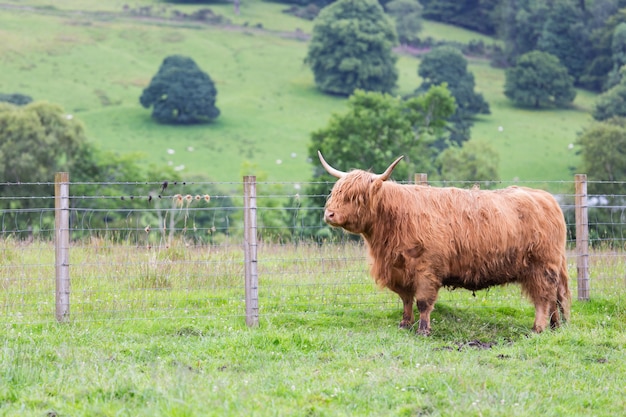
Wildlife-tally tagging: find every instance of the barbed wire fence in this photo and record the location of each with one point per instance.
(198, 251)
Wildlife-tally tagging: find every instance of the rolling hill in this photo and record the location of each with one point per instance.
(95, 58)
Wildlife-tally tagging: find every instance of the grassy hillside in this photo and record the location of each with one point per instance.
(97, 62)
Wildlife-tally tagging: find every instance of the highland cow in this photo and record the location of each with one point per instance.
(422, 238)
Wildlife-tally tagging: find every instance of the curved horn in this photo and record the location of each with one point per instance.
(385, 175)
(332, 171)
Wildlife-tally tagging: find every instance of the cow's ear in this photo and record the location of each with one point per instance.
(376, 184)
(374, 194)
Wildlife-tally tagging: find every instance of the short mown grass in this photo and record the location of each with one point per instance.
(327, 343)
(335, 366)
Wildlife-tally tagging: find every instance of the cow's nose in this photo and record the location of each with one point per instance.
(328, 215)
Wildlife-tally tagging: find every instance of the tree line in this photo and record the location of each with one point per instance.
(579, 32)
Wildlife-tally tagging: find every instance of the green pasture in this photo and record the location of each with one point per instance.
(96, 63)
(160, 332)
(532, 144)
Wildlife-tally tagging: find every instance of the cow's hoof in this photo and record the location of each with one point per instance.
(538, 329)
(423, 332)
(423, 328)
(405, 324)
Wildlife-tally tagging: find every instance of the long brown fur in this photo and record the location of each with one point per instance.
(422, 238)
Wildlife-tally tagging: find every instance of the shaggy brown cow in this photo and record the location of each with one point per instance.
(422, 238)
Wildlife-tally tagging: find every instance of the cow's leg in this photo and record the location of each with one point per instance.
(407, 295)
(542, 309)
(546, 308)
(560, 308)
(541, 285)
(426, 297)
(564, 297)
(407, 315)
(425, 307)
(555, 315)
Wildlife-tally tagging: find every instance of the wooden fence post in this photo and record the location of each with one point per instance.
(421, 179)
(62, 244)
(250, 250)
(582, 237)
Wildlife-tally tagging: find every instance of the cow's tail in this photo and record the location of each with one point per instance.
(564, 297)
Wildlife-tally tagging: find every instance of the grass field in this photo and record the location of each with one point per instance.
(176, 344)
(94, 59)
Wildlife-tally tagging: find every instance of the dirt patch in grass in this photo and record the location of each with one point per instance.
(476, 344)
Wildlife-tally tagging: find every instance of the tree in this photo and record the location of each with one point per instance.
(376, 129)
(538, 79)
(579, 33)
(351, 48)
(560, 27)
(618, 56)
(408, 17)
(181, 93)
(474, 161)
(564, 36)
(603, 152)
(446, 64)
(612, 102)
(605, 17)
(38, 140)
(521, 26)
(477, 15)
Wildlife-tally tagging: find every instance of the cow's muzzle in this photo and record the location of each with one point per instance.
(330, 218)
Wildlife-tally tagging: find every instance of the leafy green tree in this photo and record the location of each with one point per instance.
(605, 17)
(579, 33)
(618, 56)
(181, 93)
(376, 129)
(474, 161)
(612, 102)
(521, 27)
(477, 15)
(603, 152)
(562, 28)
(538, 80)
(446, 64)
(38, 140)
(564, 36)
(351, 48)
(408, 17)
